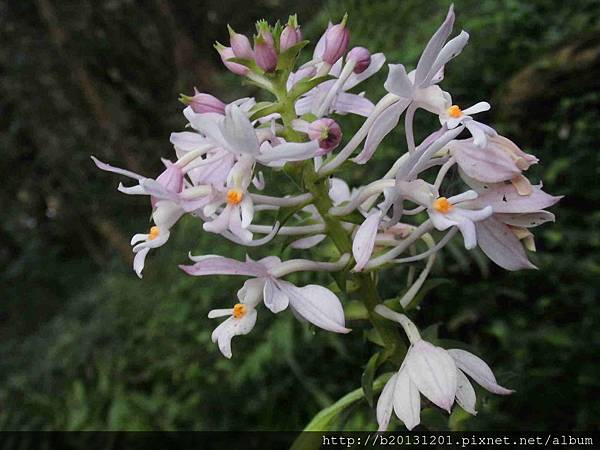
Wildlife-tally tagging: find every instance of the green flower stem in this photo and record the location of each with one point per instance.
(319, 188)
(340, 237)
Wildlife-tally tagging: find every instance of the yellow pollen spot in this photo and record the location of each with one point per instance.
(234, 196)
(442, 205)
(455, 111)
(239, 310)
(154, 232)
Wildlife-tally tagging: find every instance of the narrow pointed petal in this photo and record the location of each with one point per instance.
(477, 369)
(218, 265)
(377, 62)
(506, 199)
(407, 400)
(451, 50)
(433, 371)
(289, 151)
(385, 404)
(316, 304)
(526, 220)
(433, 48)
(353, 104)
(308, 242)
(108, 168)
(465, 394)
(381, 127)
(500, 244)
(364, 241)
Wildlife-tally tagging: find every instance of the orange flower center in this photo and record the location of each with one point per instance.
(454, 111)
(442, 205)
(154, 232)
(239, 310)
(234, 196)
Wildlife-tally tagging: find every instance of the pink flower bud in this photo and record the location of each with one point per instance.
(361, 57)
(226, 54)
(336, 42)
(240, 45)
(264, 51)
(327, 132)
(171, 179)
(290, 35)
(203, 103)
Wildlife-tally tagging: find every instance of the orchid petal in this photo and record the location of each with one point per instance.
(407, 401)
(275, 299)
(219, 265)
(398, 82)
(500, 244)
(477, 369)
(433, 371)
(308, 242)
(316, 304)
(385, 404)
(108, 168)
(381, 127)
(364, 241)
(233, 327)
(465, 394)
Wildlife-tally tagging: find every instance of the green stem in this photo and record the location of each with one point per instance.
(333, 226)
(340, 237)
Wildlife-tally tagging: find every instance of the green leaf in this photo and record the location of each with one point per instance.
(303, 86)
(287, 59)
(323, 421)
(265, 109)
(369, 374)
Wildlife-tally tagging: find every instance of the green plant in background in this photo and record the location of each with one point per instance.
(529, 300)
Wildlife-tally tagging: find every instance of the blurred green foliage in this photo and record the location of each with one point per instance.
(86, 345)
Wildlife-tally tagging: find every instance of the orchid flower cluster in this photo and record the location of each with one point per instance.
(217, 176)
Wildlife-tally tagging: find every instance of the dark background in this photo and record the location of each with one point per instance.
(85, 345)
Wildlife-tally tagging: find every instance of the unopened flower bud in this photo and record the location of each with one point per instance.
(264, 51)
(240, 45)
(290, 35)
(203, 103)
(226, 54)
(361, 57)
(327, 132)
(336, 42)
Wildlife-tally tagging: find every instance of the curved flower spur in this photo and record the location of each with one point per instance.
(217, 176)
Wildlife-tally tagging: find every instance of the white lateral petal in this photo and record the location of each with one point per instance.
(364, 240)
(407, 400)
(275, 299)
(477, 369)
(316, 304)
(385, 404)
(465, 394)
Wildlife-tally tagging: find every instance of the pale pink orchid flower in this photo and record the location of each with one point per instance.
(447, 212)
(315, 304)
(438, 374)
(501, 236)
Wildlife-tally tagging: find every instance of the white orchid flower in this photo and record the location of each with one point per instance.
(446, 212)
(434, 372)
(313, 303)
